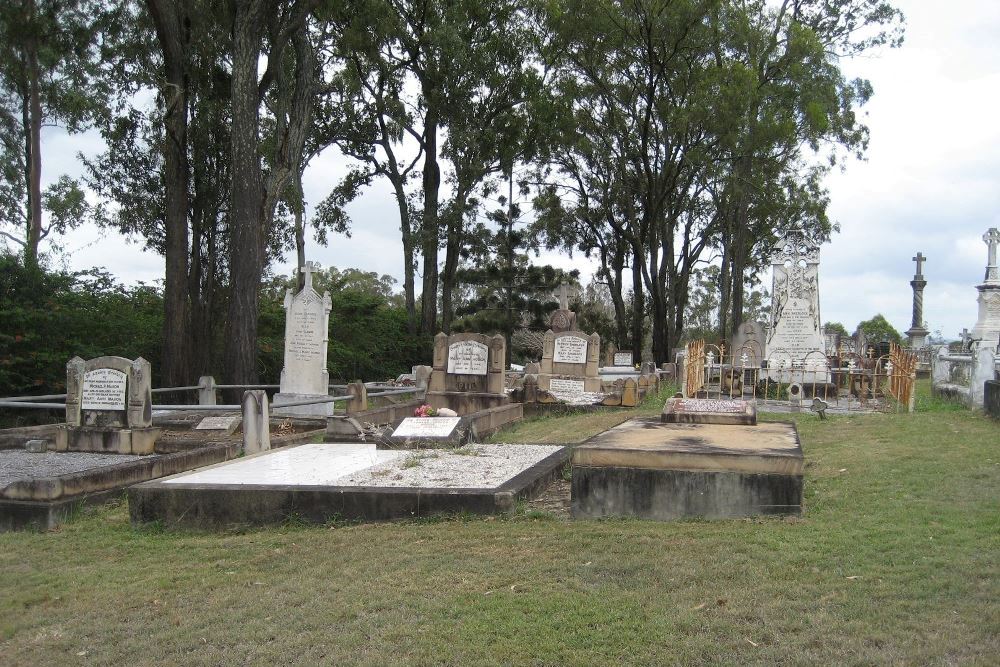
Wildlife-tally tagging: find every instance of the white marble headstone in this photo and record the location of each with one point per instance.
(468, 357)
(103, 389)
(796, 330)
(307, 323)
(570, 350)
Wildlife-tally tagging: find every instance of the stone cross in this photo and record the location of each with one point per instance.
(920, 259)
(307, 270)
(965, 339)
(564, 296)
(991, 238)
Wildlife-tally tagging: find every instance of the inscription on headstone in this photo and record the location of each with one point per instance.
(468, 357)
(570, 350)
(103, 389)
(566, 386)
(623, 358)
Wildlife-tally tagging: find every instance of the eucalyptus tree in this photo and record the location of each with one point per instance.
(50, 62)
(787, 93)
(164, 176)
(262, 167)
(641, 88)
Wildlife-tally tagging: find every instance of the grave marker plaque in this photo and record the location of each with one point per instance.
(623, 359)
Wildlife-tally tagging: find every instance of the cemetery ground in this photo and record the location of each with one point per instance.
(895, 560)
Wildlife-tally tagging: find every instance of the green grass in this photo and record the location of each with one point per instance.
(895, 561)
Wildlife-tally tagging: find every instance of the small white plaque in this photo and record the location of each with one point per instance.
(426, 427)
(570, 350)
(468, 357)
(623, 359)
(224, 423)
(567, 386)
(103, 389)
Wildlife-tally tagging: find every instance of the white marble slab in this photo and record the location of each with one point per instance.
(319, 464)
(360, 464)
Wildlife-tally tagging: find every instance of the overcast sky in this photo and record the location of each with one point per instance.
(931, 183)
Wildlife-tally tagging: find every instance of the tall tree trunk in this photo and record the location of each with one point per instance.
(246, 215)
(638, 310)
(176, 314)
(453, 247)
(432, 183)
(34, 127)
(300, 229)
(739, 243)
(406, 230)
(725, 281)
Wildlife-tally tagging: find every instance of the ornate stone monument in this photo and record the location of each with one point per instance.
(795, 349)
(307, 323)
(570, 361)
(108, 407)
(987, 329)
(562, 319)
(468, 372)
(917, 333)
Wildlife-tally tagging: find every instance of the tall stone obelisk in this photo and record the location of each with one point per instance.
(917, 333)
(987, 329)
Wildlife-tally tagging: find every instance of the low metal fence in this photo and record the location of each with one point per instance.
(846, 382)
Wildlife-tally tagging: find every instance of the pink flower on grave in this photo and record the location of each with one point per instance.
(424, 411)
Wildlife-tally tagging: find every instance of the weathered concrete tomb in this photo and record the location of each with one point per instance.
(348, 481)
(649, 469)
(709, 411)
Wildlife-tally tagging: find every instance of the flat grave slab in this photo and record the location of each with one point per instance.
(708, 411)
(353, 481)
(650, 469)
(40, 490)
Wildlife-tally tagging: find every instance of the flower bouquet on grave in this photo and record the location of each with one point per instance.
(425, 411)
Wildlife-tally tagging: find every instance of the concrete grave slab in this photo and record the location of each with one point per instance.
(352, 481)
(649, 469)
(709, 411)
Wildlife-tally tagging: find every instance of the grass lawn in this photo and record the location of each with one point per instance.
(895, 561)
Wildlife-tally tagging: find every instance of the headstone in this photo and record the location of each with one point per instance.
(917, 333)
(562, 319)
(305, 376)
(987, 328)
(795, 343)
(572, 356)
(225, 423)
(256, 422)
(748, 338)
(108, 407)
(708, 411)
(623, 358)
(468, 372)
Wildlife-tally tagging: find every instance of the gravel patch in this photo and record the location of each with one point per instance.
(473, 466)
(18, 464)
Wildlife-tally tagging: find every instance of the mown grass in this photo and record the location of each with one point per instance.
(894, 562)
